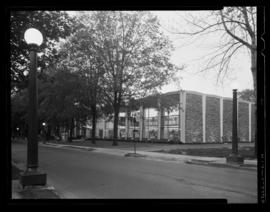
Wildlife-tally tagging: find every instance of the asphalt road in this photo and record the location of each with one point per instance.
(86, 175)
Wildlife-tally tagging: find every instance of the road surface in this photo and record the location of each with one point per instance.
(89, 175)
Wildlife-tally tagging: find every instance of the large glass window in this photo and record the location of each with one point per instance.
(150, 123)
(134, 122)
(122, 121)
(171, 124)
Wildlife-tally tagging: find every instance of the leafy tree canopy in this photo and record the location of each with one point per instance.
(58, 98)
(53, 25)
(247, 95)
(19, 105)
(134, 51)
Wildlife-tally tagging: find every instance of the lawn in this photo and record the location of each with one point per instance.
(246, 152)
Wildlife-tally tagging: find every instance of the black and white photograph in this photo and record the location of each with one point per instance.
(135, 104)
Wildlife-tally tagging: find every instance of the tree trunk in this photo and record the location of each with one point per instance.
(48, 133)
(93, 109)
(58, 132)
(115, 124)
(254, 74)
(71, 130)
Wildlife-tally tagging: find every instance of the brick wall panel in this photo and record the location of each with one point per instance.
(212, 120)
(227, 120)
(243, 124)
(253, 122)
(194, 118)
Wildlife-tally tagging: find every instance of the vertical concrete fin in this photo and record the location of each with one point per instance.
(203, 115)
(104, 128)
(141, 122)
(221, 118)
(159, 118)
(126, 124)
(183, 115)
(249, 121)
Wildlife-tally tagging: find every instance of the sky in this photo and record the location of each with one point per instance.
(188, 54)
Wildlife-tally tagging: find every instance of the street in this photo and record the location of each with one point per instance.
(87, 174)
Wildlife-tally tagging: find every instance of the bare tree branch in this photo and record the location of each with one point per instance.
(244, 11)
(231, 34)
(253, 20)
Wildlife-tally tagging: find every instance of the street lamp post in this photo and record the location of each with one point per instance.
(234, 157)
(32, 176)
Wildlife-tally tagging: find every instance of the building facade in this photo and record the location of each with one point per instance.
(193, 117)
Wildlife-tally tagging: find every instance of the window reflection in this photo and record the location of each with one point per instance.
(171, 124)
(151, 123)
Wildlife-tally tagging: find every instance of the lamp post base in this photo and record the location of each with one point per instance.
(33, 178)
(235, 159)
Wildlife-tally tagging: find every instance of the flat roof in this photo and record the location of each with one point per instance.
(198, 93)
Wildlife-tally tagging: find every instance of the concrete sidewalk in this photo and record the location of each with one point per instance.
(142, 146)
(31, 192)
(215, 161)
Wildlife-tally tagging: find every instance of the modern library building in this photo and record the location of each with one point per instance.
(181, 116)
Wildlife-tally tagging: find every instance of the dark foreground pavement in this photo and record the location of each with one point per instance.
(88, 174)
(30, 192)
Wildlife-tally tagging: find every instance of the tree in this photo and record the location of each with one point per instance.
(79, 56)
(53, 25)
(237, 28)
(135, 54)
(58, 98)
(247, 95)
(56, 103)
(19, 105)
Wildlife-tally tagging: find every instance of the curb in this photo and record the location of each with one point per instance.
(79, 147)
(68, 146)
(134, 155)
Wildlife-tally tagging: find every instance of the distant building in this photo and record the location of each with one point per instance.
(186, 116)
